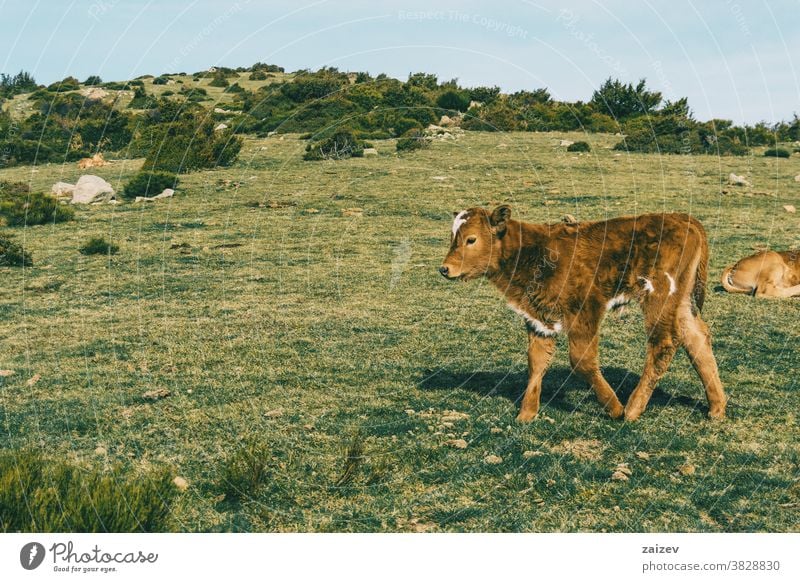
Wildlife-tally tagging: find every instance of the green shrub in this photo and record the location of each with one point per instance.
(413, 139)
(66, 84)
(405, 124)
(235, 88)
(99, 246)
(12, 254)
(454, 100)
(162, 80)
(219, 80)
(189, 143)
(92, 80)
(20, 207)
(149, 184)
(258, 76)
(342, 144)
(579, 146)
(243, 474)
(777, 153)
(50, 495)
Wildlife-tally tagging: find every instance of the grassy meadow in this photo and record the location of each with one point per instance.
(317, 374)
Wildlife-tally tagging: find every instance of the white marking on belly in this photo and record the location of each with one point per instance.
(617, 301)
(460, 219)
(648, 284)
(538, 326)
(672, 286)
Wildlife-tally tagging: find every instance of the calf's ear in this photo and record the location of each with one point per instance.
(500, 217)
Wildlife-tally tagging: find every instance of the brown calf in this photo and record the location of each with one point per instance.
(765, 274)
(565, 277)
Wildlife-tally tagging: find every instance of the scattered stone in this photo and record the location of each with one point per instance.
(797, 178)
(275, 413)
(410, 411)
(156, 394)
(62, 189)
(353, 212)
(219, 110)
(569, 219)
(686, 469)
(583, 449)
(100, 451)
(619, 476)
(94, 93)
(789, 208)
(167, 193)
(92, 190)
(370, 152)
(735, 180)
(496, 430)
(221, 127)
(96, 161)
(531, 454)
(457, 443)
(492, 460)
(439, 178)
(33, 380)
(642, 455)
(311, 211)
(554, 192)
(621, 472)
(180, 483)
(6, 373)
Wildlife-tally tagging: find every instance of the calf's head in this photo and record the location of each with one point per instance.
(475, 243)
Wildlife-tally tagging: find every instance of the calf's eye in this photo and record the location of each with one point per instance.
(471, 240)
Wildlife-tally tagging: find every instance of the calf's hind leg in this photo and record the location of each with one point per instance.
(697, 342)
(661, 348)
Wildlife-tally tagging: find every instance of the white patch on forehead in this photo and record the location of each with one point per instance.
(648, 284)
(460, 219)
(617, 301)
(672, 286)
(539, 327)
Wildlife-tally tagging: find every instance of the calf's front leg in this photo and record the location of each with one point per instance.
(540, 352)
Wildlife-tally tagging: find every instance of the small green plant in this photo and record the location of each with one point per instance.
(149, 184)
(244, 473)
(777, 153)
(405, 124)
(160, 80)
(342, 144)
(258, 75)
(20, 207)
(99, 246)
(579, 146)
(413, 139)
(39, 494)
(12, 254)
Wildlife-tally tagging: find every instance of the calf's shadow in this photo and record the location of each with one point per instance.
(557, 382)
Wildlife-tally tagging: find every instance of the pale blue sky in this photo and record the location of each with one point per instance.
(734, 59)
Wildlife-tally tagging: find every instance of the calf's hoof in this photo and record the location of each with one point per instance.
(716, 413)
(632, 414)
(616, 411)
(526, 415)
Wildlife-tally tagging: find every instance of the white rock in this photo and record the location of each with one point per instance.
(62, 189)
(735, 180)
(92, 190)
(797, 178)
(220, 127)
(219, 110)
(566, 143)
(167, 193)
(370, 152)
(789, 208)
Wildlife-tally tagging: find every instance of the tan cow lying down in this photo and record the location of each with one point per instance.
(565, 277)
(96, 161)
(765, 274)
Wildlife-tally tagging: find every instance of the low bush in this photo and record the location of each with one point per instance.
(258, 76)
(777, 153)
(405, 124)
(242, 475)
(99, 246)
(579, 146)
(43, 495)
(20, 207)
(12, 254)
(149, 184)
(160, 80)
(219, 80)
(413, 139)
(342, 144)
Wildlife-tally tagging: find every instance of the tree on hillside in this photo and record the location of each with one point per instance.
(622, 100)
(22, 82)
